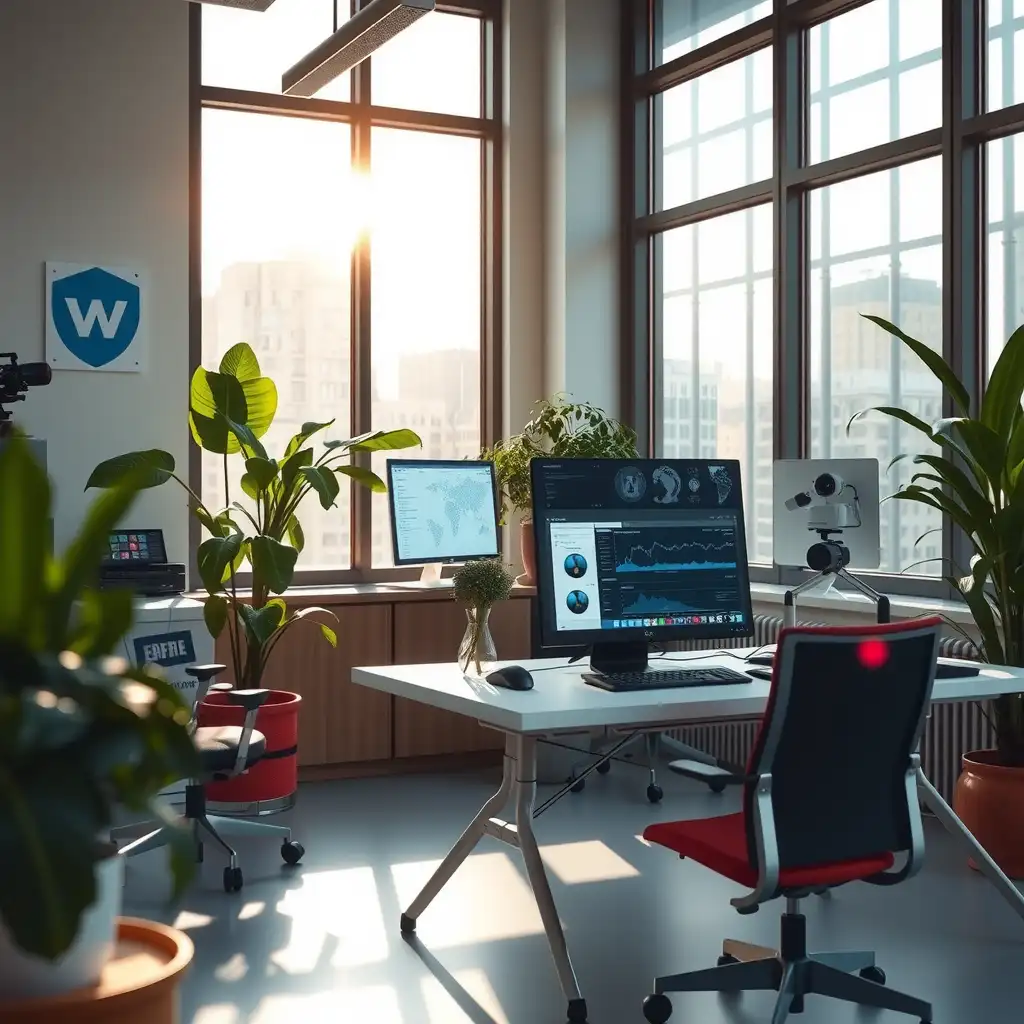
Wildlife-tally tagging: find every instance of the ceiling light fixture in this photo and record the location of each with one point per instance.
(364, 32)
(245, 5)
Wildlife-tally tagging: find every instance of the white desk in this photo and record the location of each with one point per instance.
(561, 702)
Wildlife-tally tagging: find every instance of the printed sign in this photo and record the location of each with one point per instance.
(95, 318)
(165, 649)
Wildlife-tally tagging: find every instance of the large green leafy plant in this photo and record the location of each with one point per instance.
(560, 429)
(230, 410)
(976, 479)
(81, 732)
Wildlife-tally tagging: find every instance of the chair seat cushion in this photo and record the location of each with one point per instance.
(721, 844)
(218, 747)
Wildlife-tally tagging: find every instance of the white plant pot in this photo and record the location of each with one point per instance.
(23, 976)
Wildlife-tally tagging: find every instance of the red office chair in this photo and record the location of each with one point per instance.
(830, 797)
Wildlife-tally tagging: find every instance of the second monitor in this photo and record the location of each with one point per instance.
(442, 511)
(633, 552)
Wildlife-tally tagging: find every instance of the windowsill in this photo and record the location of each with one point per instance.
(367, 593)
(857, 605)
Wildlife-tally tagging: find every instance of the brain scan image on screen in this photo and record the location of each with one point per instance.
(667, 485)
(575, 565)
(630, 483)
(577, 602)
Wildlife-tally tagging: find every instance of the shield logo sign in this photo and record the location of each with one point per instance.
(95, 318)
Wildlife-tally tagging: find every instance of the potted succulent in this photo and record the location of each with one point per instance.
(478, 585)
(559, 428)
(230, 410)
(976, 479)
(81, 733)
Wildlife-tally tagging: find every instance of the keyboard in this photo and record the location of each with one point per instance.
(670, 679)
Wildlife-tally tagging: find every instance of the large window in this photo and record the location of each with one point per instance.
(351, 239)
(800, 163)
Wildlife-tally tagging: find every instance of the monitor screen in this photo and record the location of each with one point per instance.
(639, 549)
(442, 511)
(135, 547)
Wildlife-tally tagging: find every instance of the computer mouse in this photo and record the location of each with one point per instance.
(511, 677)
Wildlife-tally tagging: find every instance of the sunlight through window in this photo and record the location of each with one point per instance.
(442, 1007)
(590, 861)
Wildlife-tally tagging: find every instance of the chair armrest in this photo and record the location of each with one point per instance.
(248, 699)
(709, 773)
(251, 700)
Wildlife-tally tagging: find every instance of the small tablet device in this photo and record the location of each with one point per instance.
(135, 547)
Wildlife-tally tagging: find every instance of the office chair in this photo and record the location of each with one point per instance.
(829, 797)
(225, 751)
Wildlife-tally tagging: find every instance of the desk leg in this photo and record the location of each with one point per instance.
(465, 845)
(518, 784)
(525, 794)
(958, 830)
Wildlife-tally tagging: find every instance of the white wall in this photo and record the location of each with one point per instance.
(94, 168)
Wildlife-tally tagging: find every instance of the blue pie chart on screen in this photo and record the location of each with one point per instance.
(577, 602)
(575, 566)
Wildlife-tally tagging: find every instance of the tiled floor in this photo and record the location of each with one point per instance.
(321, 943)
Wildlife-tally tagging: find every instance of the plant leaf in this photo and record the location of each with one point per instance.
(151, 469)
(248, 443)
(262, 471)
(24, 510)
(240, 362)
(213, 526)
(324, 482)
(262, 623)
(215, 614)
(306, 431)
(104, 617)
(295, 535)
(898, 414)
(1001, 405)
(329, 635)
(211, 394)
(215, 559)
(939, 367)
(290, 467)
(261, 403)
(379, 441)
(363, 476)
(273, 563)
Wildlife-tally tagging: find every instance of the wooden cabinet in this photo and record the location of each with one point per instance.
(338, 722)
(344, 724)
(430, 632)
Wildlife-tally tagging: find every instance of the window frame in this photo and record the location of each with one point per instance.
(959, 141)
(363, 116)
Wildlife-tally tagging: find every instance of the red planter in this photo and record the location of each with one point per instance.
(275, 776)
(989, 800)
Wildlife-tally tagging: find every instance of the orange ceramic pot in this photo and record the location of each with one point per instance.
(528, 552)
(989, 800)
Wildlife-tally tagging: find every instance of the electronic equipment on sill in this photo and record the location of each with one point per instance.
(136, 560)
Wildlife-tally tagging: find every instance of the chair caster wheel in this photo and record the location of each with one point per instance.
(654, 794)
(716, 787)
(657, 1009)
(604, 768)
(875, 974)
(291, 852)
(578, 787)
(232, 879)
(727, 958)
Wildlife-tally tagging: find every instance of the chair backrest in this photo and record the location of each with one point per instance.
(845, 716)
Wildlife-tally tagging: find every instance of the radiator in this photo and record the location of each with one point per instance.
(952, 729)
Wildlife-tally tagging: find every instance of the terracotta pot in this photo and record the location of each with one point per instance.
(528, 553)
(989, 800)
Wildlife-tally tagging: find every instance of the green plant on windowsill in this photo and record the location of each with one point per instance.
(81, 732)
(976, 480)
(230, 410)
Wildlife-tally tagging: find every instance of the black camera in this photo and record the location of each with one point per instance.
(15, 380)
(828, 555)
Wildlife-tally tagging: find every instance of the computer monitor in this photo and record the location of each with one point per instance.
(442, 511)
(634, 552)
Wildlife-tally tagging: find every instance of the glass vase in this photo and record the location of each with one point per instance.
(477, 649)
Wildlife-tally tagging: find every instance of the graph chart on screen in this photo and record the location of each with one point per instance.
(646, 551)
(653, 604)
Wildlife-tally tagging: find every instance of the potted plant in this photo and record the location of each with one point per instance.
(478, 585)
(81, 733)
(230, 410)
(977, 480)
(559, 428)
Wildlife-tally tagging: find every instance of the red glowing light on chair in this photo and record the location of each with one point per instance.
(873, 653)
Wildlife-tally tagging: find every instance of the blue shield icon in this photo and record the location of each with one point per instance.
(96, 314)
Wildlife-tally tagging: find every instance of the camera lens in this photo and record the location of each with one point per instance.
(825, 485)
(828, 556)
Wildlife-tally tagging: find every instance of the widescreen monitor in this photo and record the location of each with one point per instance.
(442, 511)
(639, 551)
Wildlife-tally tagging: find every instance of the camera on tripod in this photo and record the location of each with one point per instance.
(15, 380)
(832, 505)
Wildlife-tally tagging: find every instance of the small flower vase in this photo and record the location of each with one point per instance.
(477, 647)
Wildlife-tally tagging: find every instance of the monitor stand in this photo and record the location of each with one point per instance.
(431, 573)
(608, 659)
